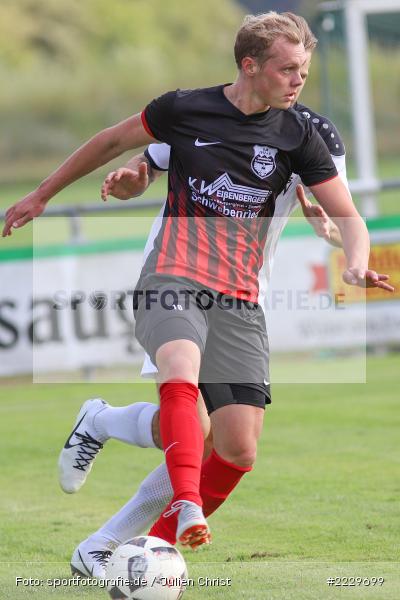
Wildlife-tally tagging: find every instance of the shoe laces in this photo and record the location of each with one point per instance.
(89, 447)
(192, 510)
(101, 556)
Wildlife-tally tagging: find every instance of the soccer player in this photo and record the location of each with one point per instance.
(138, 423)
(223, 136)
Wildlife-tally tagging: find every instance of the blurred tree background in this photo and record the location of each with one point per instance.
(71, 68)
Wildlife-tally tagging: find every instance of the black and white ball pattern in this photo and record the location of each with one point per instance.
(146, 568)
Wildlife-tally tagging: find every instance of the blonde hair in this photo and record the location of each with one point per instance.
(307, 37)
(257, 34)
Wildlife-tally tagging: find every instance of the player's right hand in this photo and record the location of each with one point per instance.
(23, 211)
(315, 214)
(125, 183)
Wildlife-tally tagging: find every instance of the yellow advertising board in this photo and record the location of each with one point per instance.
(384, 258)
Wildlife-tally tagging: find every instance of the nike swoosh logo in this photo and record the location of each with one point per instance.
(67, 444)
(170, 446)
(86, 567)
(198, 143)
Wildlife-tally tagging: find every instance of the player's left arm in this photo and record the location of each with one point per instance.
(336, 200)
(129, 181)
(140, 171)
(317, 170)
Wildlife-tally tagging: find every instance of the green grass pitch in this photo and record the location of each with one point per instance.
(321, 502)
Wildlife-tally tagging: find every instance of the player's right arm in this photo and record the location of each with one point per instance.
(318, 219)
(139, 172)
(99, 150)
(323, 226)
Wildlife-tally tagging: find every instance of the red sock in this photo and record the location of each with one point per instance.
(218, 479)
(182, 438)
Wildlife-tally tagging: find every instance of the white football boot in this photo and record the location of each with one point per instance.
(81, 448)
(192, 529)
(90, 558)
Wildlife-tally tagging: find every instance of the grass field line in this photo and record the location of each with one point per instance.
(364, 563)
(27, 406)
(322, 501)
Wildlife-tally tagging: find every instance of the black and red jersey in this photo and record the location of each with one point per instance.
(226, 170)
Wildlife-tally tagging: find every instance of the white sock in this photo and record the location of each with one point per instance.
(130, 424)
(140, 512)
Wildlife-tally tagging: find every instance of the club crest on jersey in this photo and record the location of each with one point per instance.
(263, 163)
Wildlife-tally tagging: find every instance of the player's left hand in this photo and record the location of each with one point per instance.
(315, 214)
(367, 279)
(125, 183)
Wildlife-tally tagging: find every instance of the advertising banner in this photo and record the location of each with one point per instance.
(68, 307)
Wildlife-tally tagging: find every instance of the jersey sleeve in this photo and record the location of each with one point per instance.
(312, 159)
(158, 156)
(158, 117)
(326, 129)
(340, 164)
(331, 136)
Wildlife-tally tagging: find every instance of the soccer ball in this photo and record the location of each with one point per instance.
(146, 568)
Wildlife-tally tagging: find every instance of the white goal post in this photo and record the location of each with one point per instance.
(355, 13)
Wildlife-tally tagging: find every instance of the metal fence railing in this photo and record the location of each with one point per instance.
(76, 211)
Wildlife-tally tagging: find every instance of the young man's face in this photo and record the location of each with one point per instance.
(303, 74)
(278, 82)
